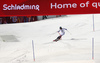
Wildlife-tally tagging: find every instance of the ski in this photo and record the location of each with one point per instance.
(56, 40)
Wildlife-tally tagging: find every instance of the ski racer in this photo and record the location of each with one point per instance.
(61, 33)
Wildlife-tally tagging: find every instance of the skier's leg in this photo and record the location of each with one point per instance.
(59, 37)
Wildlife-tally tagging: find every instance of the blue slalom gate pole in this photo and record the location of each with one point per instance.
(93, 23)
(33, 50)
(93, 48)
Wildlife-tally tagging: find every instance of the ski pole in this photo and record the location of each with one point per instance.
(69, 32)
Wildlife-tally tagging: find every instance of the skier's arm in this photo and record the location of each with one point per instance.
(59, 33)
(65, 29)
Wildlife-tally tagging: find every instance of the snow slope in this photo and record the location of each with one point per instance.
(74, 47)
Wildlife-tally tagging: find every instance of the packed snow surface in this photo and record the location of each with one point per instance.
(74, 47)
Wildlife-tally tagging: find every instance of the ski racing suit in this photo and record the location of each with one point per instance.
(61, 32)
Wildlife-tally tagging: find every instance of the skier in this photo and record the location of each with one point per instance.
(62, 30)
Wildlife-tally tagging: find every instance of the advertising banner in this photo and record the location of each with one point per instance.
(48, 7)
